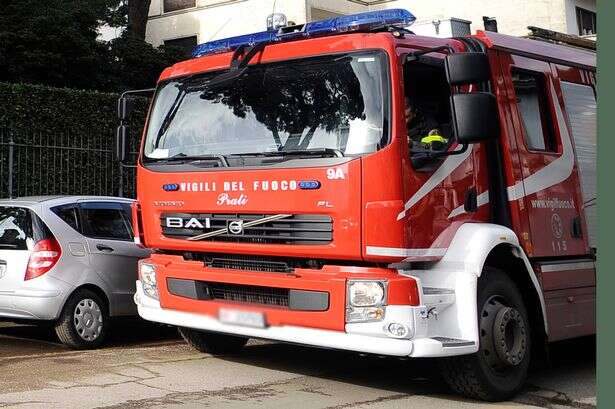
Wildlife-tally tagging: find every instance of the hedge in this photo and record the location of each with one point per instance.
(64, 140)
(40, 108)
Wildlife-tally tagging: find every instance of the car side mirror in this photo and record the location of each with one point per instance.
(475, 117)
(467, 68)
(122, 143)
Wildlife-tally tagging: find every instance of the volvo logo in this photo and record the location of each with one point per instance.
(235, 227)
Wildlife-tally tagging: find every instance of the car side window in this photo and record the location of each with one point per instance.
(68, 214)
(105, 221)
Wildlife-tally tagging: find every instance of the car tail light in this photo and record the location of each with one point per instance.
(44, 256)
(137, 224)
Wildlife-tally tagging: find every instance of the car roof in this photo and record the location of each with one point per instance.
(58, 200)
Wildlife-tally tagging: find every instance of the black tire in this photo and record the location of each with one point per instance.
(213, 342)
(89, 331)
(499, 369)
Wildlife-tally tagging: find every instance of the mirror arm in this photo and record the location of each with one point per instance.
(416, 54)
(464, 148)
(138, 92)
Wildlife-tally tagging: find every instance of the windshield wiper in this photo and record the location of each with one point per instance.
(182, 157)
(238, 68)
(298, 152)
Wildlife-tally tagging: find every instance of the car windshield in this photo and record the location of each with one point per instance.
(333, 103)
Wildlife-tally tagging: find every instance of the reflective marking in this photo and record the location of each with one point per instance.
(570, 266)
(448, 166)
(400, 252)
(554, 173)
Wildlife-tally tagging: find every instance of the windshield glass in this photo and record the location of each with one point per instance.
(333, 102)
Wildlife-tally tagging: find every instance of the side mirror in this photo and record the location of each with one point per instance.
(122, 144)
(475, 117)
(124, 108)
(467, 68)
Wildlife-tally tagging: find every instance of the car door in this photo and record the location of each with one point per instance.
(111, 249)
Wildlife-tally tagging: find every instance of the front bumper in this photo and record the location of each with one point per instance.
(325, 329)
(151, 310)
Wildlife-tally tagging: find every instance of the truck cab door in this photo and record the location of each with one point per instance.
(112, 252)
(436, 190)
(548, 193)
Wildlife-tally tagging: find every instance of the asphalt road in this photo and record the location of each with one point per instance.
(147, 366)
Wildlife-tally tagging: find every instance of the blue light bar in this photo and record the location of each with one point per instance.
(338, 25)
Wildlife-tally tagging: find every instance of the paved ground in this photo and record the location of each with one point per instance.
(153, 368)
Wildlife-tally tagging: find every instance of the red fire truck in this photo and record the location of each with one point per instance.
(289, 189)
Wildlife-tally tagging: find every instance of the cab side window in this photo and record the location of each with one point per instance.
(105, 221)
(532, 102)
(428, 112)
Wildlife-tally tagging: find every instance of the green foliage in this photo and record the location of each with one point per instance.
(54, 42)
(63, 141)
(135, 64)
(60, 110)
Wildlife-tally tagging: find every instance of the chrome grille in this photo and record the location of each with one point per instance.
(294, 229)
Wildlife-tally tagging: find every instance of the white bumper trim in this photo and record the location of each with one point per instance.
(150, 310)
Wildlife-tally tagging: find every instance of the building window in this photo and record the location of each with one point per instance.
(186, 44)
(174, 5)
(533, 105)
(587, 22)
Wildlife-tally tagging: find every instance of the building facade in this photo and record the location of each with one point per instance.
(188, 22)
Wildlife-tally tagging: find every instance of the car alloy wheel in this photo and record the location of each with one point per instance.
(88, 319)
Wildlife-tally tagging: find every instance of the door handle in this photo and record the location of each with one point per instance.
(104, 249)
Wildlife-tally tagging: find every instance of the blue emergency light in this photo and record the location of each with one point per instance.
(338, 25)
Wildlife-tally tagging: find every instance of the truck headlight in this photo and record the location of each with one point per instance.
(147, 275)
(366, 301)
(366, 293)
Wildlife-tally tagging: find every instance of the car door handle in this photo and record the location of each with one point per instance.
(103, 248)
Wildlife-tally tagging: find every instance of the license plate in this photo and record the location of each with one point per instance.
(243, 318)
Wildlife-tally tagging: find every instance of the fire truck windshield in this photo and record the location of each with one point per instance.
(334, 103)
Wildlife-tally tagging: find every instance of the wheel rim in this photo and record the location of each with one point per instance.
(88, 320)
(503, 335)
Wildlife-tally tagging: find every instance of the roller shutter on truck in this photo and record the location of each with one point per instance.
(581, 107)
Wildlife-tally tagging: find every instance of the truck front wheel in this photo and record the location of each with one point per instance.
(213, 342)
(499, 369)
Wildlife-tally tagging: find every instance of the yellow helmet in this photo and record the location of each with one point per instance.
(434, 137)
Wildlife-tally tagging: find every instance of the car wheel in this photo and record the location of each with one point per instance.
(499, 369)
(213, 343)
(84, 321)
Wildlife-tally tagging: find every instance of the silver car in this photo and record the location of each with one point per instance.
(70, 260)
